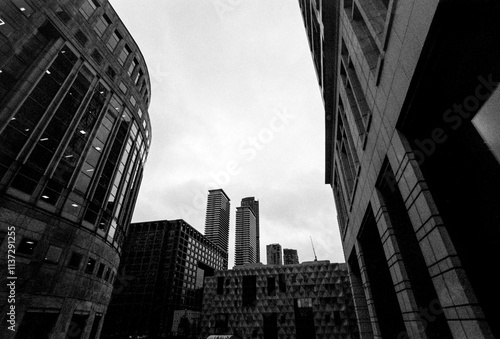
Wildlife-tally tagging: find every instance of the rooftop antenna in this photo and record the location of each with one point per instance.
(315, 258)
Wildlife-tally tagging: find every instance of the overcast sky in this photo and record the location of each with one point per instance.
(235, 105)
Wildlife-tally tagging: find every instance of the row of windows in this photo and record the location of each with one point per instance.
(78, 116)
(354, 115)
(53, 256)
(367, 19)
(101, 25)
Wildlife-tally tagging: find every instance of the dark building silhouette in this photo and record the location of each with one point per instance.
(306, 301)
(412, 155)
(254, 205)
(290, 256)
(74, 137)
(163, 267)
(217, 220)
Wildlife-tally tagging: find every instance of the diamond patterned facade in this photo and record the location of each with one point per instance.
(308, 300)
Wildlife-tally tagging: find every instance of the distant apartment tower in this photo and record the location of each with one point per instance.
(417, 185)
(254, 205)
(290, 256)
(74, 138)
(217, 220)
(161, 276)
(274, 256)
(246, 236)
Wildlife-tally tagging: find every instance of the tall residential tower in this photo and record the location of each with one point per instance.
(74, 137)
(254, 205)
(217, 220)
(245, 250)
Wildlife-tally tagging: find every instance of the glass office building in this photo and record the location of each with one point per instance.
(74, 138)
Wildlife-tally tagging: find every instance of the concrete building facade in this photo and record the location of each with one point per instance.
(274, 255)
(290, 256)
(245, 245)
(74, 138)
(306, 301)
(217, 220)
(412, 156)
(163, 267)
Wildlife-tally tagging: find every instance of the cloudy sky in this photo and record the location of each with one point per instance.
(235, 105)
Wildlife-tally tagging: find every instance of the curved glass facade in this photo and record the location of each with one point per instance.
(74, 138)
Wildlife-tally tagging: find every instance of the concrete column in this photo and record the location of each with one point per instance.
(415, 327)
(465, 317)
(368, 294)
(360, 306)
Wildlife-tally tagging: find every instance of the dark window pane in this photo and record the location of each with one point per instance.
(27, 246)
(89, 269)
(74, 262)
(100, 271)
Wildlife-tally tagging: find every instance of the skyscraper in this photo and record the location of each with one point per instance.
(290, 256)
(245, 247)
(416, 185)
(254, 205)
(74, 137)
(217, 220)
(274, 256)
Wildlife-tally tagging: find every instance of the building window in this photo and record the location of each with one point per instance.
(63, 15)
(122, 58)
(132, 100)
(74, 262)
(106, 275)
(220, 285)
(249, 297)
(102, 24)
(53, 254)
(23, 6)
(97, 56)
(27, 246)
(271, 286)
(111, 72)
(364, 37)
(88, 7)
(89, 269)
(336, 318)
(304, 303)
(282, 282)
(132, 67)
(138, 77)
(81, 38)
(123, 87)
(113, 41)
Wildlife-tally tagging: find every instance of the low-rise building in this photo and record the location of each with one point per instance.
(308, 300)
